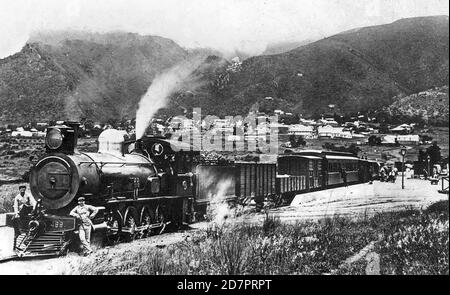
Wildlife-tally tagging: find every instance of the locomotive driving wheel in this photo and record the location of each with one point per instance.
(114, 231)
(130, 229)
(159, 220)
(146, 222)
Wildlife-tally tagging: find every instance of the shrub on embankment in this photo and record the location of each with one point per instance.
(418, 243)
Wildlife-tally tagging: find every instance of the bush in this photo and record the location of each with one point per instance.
(420, 245)
(374, 140)
(297, 141)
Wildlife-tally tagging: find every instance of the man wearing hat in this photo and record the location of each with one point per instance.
(84, 213)
(24, 203)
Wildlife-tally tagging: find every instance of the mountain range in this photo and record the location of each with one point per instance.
(358, 70)
(60, 75)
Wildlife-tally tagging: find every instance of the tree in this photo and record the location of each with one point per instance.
(434, 152)
(425, 137)
(301, 141)
(422, 157)
(374, 140)
(297, 141)
(353, 149)
(114, 122)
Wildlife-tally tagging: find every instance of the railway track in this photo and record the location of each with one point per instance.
(8, 258)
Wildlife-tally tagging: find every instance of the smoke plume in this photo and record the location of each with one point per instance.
(161, 88)
(219, 210)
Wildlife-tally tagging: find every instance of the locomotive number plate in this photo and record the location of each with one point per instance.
(61, 224)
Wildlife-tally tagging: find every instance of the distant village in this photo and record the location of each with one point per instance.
(360, 127)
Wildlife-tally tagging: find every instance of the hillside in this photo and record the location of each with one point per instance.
(430, 106)
(358, 70)
(62, 75)
(281, 47)
(75, 74)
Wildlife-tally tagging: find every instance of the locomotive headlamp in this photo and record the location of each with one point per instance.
(54, 139)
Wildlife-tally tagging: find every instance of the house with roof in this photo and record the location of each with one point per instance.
(410, 139)
(333, 132)
(402, 129)
(303, 130)
(308, 122)
(328, 121)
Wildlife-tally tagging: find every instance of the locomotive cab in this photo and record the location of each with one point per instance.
(176, 162)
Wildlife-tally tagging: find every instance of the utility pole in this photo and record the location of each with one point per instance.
(403, 152)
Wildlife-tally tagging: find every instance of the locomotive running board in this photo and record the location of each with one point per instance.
(140, 200)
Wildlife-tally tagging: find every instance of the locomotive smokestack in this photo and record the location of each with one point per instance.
(76, 128)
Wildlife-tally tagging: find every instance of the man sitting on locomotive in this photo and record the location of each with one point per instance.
(24, 204)
(84, 213)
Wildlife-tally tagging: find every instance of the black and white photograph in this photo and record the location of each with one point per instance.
(227, 139)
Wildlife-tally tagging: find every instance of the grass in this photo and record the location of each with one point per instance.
(275, 248)
(418, 243)
(356, 268)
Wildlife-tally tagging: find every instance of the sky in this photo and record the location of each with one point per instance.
(226, 25)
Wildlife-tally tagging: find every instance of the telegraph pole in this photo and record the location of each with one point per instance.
(403, 152)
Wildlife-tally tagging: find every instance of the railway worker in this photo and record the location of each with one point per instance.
(84, 213)
(344, 176)
(389, 174)
(394, 174)
(383, 174)
(24, 204)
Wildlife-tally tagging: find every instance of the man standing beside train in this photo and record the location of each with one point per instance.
(84, 213)
(24, 204)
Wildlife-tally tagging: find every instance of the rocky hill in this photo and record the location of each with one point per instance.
(75, 74)
(430, 106)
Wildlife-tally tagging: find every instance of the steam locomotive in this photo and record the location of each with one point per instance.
(142, 186)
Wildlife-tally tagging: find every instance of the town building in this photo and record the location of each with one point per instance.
(303, 130)
(403, 129)
(308, 122)
(411, 139)
(333, 132)
(328, 121)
